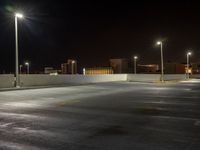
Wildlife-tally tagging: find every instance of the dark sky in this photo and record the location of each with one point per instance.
(92, 32)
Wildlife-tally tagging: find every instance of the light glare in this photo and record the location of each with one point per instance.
(18, 15)
(159, 43)
(189, 53)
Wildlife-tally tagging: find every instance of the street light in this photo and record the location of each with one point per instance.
(84, 71)
(20, 69)
(27, 65)
(162, 65)
(135, 64)
(188, 66)
(17, 15)
(73, 62)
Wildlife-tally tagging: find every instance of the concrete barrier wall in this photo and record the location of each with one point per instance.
(195, 76)
(45, 80)
(6, 81)
(154, 77)
(169, 77)
(143, 77)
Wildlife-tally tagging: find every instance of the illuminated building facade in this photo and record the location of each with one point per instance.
(100, 70)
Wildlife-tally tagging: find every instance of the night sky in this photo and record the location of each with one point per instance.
(93, 32)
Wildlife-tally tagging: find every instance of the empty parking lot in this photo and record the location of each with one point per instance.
(105, 116)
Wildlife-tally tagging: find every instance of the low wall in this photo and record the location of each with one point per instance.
(6, 81)
(195, 76)
(169, 77)
(143, 77)
(154, 77)
(45, 80)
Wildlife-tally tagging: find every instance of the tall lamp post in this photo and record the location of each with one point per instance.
(84, 71)
(73, 62)
(20, 69)
(28, 67)
(188, 66)
(135, 64)
(17, 84)
(162, 65)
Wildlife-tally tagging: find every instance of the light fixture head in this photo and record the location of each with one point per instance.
(19, 15)
(26, 63)
(189, 53)
(135, 57)
(159, 43)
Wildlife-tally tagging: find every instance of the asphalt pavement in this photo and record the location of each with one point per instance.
(105, 116)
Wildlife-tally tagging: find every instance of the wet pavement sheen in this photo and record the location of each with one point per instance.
(105, 116)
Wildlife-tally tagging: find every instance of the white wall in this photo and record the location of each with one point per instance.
(143, 77)
(154, 77)
(174, 77)
(45, 80)
(195, 76)
(6, 81)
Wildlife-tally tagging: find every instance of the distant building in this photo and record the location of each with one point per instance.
(64, 68)
(147, 68)
(50, 70)
(100, 70)
(195, 67)
(181, 68)
(175, 68)
(119, 65)
(70, 67)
